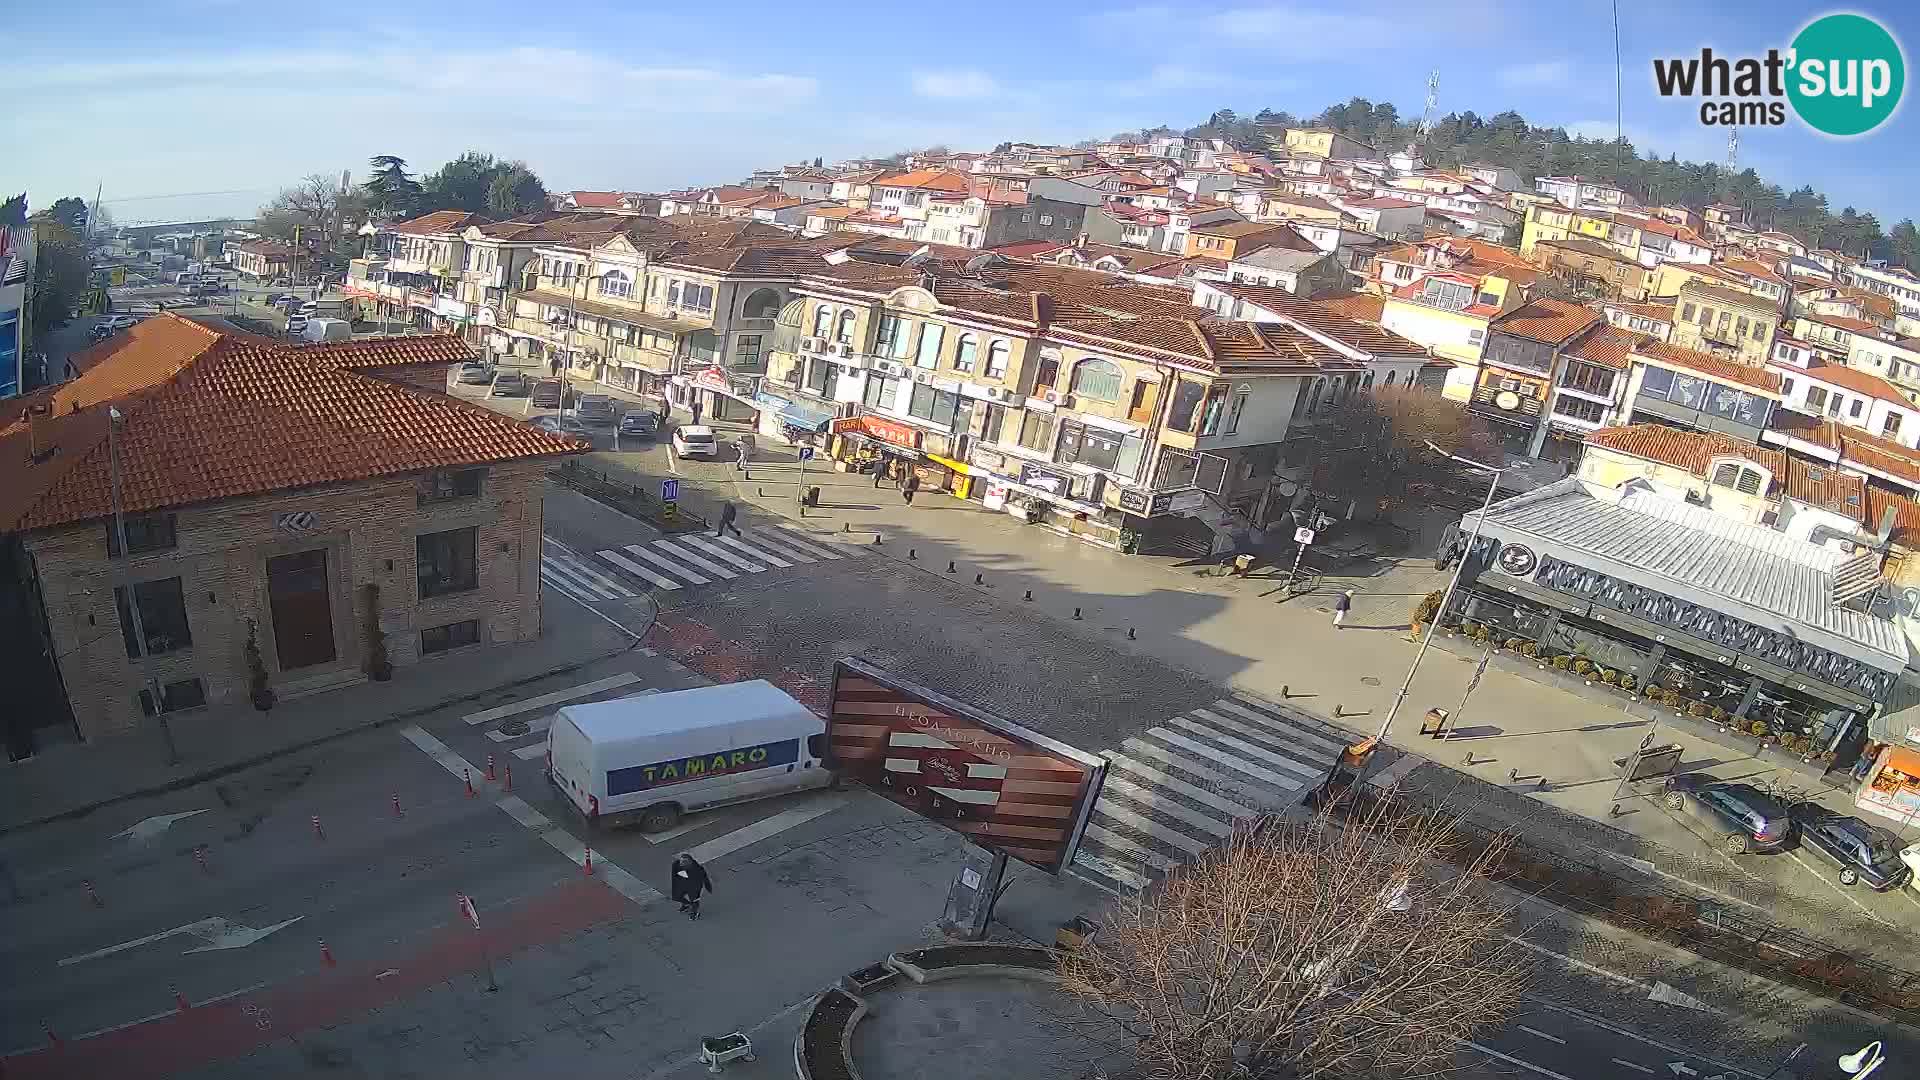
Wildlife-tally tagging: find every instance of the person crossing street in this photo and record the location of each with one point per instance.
(1341, 605)
(689, 881)
(728, 512)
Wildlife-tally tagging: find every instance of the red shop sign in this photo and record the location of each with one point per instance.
(885, 430)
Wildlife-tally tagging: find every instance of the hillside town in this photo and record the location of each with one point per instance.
(1176, 466)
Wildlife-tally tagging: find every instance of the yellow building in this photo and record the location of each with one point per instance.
(1448, 311)
(1545, 221)
(1324, 143)
(1729, 323)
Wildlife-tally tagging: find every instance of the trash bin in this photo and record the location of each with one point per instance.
(811, 496)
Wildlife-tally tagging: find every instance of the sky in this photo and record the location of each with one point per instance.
(192, 108)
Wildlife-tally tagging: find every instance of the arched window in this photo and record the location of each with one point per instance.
(1097, 379)
(763, 304)
(1367, 383)
(964, 351)
(844, 332)
(615, 283)
(822, 320)
(1390, 376)
(1313, 396)
(997, 354)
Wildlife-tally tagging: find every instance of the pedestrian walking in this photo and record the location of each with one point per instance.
(880, 468)
(908, 486)
(1341, 605)
(740, 451)
(727, 513)
(689, 881)
(696, 412)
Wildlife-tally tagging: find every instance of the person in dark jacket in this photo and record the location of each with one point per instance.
(908, 486)
(727, 513)
(689, 881)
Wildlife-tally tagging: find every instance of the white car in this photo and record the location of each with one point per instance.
(695, 440)
(1911, 856)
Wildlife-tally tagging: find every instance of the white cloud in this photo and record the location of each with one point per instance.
(1540, 75)
(959, 85)
(1290, 31)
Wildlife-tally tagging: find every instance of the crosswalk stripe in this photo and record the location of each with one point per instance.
(1284, 721)
(1301, 748)
(571, 693)
(1174, 783)
(1210, 773)
(766, 538)
(720, 551)
(673, 547)
(1114, 809)
(586, 577)
(1264, 704)
(764, 556)
(1266, 776)
(552, 577)
(637, 570)
(796, 538)
(666, 564)
(1278, 761)
(1086, 860)
(1113, 841)
(528, 753)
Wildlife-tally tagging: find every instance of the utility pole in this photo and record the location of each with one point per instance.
(152, 685)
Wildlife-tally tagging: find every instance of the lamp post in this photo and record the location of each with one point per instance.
(139, 629)
(1453, 583)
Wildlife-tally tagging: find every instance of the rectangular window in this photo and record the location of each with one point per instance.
(448, 562)
(1036, 432)
(881, 392)
(1705, 316)
(1740, 327)
(1579, 409)
(1834, 404)
(450, 484)
(1233, 411)
(1091, 446)
(1046, 219)
(889, 332)
(746, 352)
(1891, 425)
(439, 639)
(928, 355)
(175, 696)
(1855, 409)
(163, 617)
(1760, 330)
(1587, 378)
(145, 532)
(1187, 395)
(1786, 387)
(1816, 398)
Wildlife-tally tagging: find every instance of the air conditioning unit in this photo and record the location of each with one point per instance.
(843, 349)
(1066, 401)
(807, 345)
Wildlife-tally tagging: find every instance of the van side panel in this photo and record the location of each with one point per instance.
(575, 768)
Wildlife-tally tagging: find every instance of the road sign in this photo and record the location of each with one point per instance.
(806, 453)
(669, 491)
(1303, 535)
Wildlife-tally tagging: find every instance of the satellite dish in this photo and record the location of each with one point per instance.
(981, 263)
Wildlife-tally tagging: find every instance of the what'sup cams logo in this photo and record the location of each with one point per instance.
(1843, 75)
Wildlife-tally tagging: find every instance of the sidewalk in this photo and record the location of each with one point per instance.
(69, 780)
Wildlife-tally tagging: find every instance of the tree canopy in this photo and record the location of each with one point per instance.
(391, 192)
(1377, 443)
(478, 183)
(71, 212)
(60, 271)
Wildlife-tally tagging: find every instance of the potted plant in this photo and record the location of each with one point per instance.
(1513, 643)
(379, 666)
(1583, 667)
(258, 691)
(1758, 729)
(1629, 683)
(1563, 662)
(1530, 650)
(1610, 676)
(1425, 611)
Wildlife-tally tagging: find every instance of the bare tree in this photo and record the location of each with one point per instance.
(1375, 444)
(1367, 948)
(315, 204)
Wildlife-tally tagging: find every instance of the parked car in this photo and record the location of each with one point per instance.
(296, 323)
(279, 299)
(695, 441)
(562, 425)
(121, 322)
(475, 374)
(639, 424)
(1863, 852)
(100, 332)
(595, 409)
(548, 394)
(510, 384)
(1751, 820)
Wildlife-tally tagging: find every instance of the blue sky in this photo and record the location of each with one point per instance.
(158, 97)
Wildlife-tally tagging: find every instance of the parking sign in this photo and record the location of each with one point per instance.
(669, 490)
(806, 453)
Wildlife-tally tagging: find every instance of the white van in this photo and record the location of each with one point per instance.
(326, 330)
(651, 758)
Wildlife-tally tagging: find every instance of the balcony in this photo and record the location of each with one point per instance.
(399, 264)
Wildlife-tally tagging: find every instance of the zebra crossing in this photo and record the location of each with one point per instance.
(1176, 791)
(676, 562)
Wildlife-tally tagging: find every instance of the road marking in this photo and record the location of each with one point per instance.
(637, 570)
(764, 556)
(582, 578)
(1174, 783)
(666, 564)
(678, 552)
(218, 933)
(1108, 838)
(1172, 837)
(1285, 726)
(796, 538)
(530, 752)
(148, 828)
(1511, 1060)
(555, 836)
(1602, 1022)
(1633, 1065)
(784, 548)
(760, 830)
(1285, 784)
(1581, 964)
(1286, 761)
(1541, 1034)
(1113, 870)
(1303, 773)
(720, 551)
(1164, 805)
(1850, 898)
(585, 689)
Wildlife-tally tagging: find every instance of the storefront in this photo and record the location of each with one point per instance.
(1730, 624)
(1064, 498)
(720, 396)
(790, 420)
(1892, 785)
(867, 443)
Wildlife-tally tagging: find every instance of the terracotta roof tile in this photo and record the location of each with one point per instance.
(1366, 307)
(210, 415)
(1906, 514)
(1689, 450)
(440, 221)
(1843, 322)
(928, 180)
(1709, 365)
(1548, 321)
(1609, 347)
(1860, 382)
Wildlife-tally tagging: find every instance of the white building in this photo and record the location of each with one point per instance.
(16, 270)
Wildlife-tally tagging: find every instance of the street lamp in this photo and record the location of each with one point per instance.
(1864, 1060)
(1493, 486)
(126, 588)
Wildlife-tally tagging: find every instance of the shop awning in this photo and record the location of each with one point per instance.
(796, 413)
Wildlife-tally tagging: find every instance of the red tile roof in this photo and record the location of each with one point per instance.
(1860, 382)
(595, 200)
(1709, 365)
(928, 180)
(440, 221)
(1547, 321)
(1608, 347)
(1366, 307)
(1689, 450)
(1843, 322)
(212, 415)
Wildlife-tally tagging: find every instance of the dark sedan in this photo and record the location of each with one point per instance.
(1863, 852)
(1751, 820)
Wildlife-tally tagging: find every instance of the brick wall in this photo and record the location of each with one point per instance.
(368, 531)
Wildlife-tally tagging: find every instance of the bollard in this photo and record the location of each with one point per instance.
(1469, 761)
(979, 579)
(846, 526)
(326, 954)
(490, 774)
(200, 856)
(318, 832)
(762, 492)
(586, 868)
(1542, 785)
(1029, 595)
(1336, 711)
(1286, 692)
(876, 539)
(1076, 613)
(468, 773)
(1513, 776)
(180, 1002)
(1613, 810)
(912, 554)
(396, 805)
(508, 776)
(950, 566)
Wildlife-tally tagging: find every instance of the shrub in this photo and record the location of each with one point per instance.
(1628, 682)
(1583, 666)
(1426, 609)
(1697, 709)
(1717, 714)
(1471, 628)
(1530, 650)
(1563, 662)
(1758, 729)
(1513, 643)
(1609, 676)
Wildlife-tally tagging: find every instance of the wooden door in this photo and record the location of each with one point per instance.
(302, 610)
